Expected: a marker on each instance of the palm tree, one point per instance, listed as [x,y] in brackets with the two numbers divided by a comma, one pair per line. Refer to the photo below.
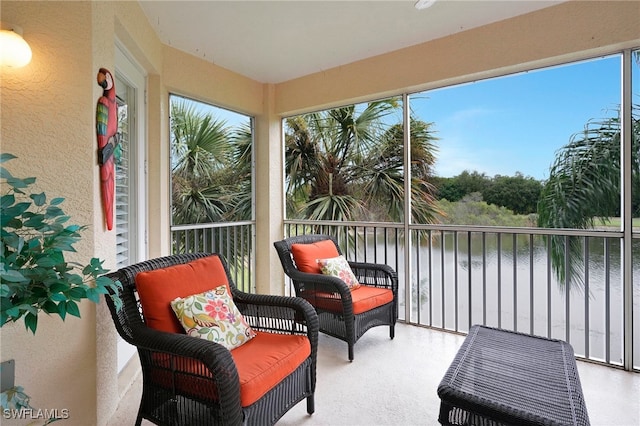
[211,180]
[211,167]
[238,198]
[383,173]
[584,184]
[199,149]
[346,164]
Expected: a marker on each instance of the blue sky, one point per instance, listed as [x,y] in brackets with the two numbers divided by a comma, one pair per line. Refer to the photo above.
[517,123]
[232,118]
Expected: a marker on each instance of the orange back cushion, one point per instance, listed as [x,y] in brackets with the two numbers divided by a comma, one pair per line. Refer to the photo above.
[159,287]
[306,255]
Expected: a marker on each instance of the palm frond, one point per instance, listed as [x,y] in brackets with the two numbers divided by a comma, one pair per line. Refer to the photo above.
[333,207]
[584,183]
[352,152]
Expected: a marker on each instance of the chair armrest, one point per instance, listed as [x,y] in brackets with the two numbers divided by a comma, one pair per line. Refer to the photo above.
[278,314]
[375,275]
[321,283]
[147,338]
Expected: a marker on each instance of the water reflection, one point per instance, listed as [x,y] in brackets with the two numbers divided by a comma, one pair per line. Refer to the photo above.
[509,281]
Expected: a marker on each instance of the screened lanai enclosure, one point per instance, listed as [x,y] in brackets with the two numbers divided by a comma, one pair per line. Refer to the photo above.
[512,202]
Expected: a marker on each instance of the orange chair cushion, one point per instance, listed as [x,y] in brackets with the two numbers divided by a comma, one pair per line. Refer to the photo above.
[306,255]
[262,363]
[364,299]
[159,287]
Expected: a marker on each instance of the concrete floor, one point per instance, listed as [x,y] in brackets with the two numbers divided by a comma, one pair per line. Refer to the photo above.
[394,382]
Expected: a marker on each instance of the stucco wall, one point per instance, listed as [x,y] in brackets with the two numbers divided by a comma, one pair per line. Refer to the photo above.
[47,120]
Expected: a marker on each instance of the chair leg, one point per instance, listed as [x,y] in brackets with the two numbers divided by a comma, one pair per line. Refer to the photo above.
[139,417]
[392,331]
[350,352]
[311,406]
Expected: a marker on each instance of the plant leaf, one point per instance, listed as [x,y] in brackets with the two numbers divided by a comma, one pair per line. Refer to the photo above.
[13,276]
[58,297]
[7,201]
[31,322]
[5,156]
[50,307]
[62,310]
[72,308]
[39,199]
[93,295]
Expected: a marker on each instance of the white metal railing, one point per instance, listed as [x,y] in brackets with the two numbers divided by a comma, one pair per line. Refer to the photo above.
[453,276]
[504,277]
[233,240]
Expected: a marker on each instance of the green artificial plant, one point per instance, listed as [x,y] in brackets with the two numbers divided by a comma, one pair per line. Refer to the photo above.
[34,275]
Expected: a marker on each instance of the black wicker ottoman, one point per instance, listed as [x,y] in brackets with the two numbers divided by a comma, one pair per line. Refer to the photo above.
[500,377]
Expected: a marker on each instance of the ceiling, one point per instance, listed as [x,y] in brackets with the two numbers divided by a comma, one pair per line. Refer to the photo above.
[275,41]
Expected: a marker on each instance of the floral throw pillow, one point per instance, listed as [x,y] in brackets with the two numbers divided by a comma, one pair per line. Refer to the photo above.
[212,315]
[339,267]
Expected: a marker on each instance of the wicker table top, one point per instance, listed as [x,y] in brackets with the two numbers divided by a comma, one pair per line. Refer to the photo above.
[503,377]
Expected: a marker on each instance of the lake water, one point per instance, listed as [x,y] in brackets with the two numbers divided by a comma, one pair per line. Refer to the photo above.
[518,289]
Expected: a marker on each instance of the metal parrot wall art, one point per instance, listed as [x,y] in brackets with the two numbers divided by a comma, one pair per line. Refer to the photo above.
[108,140]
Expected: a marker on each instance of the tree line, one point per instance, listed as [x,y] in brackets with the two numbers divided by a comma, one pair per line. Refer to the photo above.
[518,193]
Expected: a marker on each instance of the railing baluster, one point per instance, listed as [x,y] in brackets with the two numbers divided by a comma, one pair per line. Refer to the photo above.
[430,273]
[386,244]
[549,268]
[499,267]
[607,315]
[456,301]
[586,298]
[442,285]
[484,278]
[567,281]
[418,280]
[469,283]
[531,296]
[515,282]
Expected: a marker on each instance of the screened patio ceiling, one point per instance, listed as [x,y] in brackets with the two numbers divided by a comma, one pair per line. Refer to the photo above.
[279,41]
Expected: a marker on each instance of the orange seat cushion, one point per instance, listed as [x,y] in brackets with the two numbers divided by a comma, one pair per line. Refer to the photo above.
[306,256]
[159,287]
[364,299]
[262,363]
[267,359]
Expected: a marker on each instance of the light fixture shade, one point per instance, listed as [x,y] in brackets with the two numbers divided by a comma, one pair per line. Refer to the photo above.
[424,4]
[14,50]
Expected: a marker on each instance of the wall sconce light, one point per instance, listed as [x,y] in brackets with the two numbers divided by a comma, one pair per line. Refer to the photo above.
[14,50]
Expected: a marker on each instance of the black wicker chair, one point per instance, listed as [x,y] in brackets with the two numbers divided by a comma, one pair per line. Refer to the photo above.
[174,394]
[332,299]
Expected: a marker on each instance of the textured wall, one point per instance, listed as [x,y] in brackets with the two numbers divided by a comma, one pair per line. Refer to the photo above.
[47,120]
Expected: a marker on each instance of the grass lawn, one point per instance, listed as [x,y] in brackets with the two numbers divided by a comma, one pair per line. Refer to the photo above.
[615,221]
